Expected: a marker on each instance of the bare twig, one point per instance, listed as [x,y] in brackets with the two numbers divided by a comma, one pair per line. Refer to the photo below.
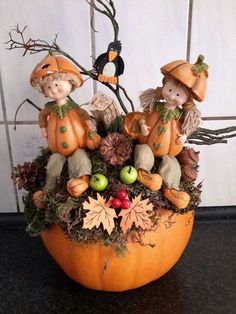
[110,12]
[34,46]
[23,102]
[205,136]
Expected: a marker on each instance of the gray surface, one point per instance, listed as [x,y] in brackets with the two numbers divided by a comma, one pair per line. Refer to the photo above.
[202,282]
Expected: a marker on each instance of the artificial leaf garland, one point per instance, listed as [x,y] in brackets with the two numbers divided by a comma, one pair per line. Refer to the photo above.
[137,214]
[99,212]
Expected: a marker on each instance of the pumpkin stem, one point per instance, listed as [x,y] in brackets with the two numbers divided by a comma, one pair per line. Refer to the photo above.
[200,60]
[200,66]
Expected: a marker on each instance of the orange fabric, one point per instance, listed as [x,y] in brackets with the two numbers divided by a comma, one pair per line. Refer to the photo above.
[97,266]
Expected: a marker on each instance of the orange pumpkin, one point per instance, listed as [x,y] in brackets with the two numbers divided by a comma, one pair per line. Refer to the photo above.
[55,64]
[93,140]
[77,186]
[162,137]
[97,266]
[193,76]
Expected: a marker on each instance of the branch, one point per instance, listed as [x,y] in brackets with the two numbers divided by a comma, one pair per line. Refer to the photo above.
[205,136]
[110,12]
[38,45]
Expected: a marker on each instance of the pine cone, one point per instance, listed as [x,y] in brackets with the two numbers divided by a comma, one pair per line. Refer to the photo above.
[188,157]
[115,148]
[28,175]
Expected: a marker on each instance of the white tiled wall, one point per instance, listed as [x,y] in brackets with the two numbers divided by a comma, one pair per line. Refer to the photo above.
[153,32]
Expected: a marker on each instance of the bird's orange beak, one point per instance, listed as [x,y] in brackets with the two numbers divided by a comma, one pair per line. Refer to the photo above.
[112,55]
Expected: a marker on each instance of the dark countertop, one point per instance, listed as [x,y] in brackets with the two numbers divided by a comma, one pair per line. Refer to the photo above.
[202,282]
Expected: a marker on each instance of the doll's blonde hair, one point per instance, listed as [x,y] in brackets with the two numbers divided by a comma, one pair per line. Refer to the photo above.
[39,83]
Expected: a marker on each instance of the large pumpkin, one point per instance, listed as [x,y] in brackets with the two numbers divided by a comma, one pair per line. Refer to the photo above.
[98,267]
[162,137]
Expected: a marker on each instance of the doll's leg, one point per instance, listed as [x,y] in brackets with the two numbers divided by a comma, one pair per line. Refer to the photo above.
[170,172]
[54,168]
[144,161]
[80,168]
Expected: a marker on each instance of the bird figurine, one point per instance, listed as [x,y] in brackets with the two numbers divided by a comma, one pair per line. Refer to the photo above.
[110,65]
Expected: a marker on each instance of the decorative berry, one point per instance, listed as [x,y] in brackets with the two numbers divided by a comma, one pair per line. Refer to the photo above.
[122,194]
[125,204]
[116,203]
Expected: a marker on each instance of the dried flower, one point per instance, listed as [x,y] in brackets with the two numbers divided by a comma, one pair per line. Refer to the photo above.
[28,175]
[189,157]
[115,148]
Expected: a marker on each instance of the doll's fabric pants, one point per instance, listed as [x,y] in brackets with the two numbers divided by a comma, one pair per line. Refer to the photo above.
[169,168]
[79,165]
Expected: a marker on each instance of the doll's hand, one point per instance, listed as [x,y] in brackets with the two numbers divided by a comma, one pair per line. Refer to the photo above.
[90,125]
[44,132]
[144,128]
[182,138]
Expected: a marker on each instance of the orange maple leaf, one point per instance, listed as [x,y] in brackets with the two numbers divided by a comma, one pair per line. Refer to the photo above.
[100,212]
[136,214]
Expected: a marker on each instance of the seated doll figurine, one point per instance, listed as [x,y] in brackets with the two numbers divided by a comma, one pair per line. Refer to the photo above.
[169,116]
[68,129]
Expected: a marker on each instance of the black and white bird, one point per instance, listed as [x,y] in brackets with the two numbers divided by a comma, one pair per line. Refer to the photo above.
[110,65]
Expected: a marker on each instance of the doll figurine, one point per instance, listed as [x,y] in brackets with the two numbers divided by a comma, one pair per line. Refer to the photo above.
[68,129]
[169,116]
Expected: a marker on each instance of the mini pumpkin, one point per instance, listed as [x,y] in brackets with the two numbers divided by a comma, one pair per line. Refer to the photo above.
[96,266]
[194,76]
[77,186]
[92,140]
[55,64]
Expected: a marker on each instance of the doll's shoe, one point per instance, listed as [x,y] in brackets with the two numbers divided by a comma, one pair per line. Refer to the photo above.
[39,199]
[178,198]
[77,186]
[152,181]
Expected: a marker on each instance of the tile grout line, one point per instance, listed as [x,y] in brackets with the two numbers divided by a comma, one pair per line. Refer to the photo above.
[93,41]
[189,29]
[4,112]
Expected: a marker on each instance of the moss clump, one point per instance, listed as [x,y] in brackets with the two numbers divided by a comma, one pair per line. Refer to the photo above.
[68,213]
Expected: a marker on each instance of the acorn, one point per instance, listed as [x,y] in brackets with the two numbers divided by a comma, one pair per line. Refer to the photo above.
[188,157]
[189,173]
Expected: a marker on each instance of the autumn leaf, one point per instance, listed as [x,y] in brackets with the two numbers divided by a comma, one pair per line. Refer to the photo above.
[100,212]
[137,214]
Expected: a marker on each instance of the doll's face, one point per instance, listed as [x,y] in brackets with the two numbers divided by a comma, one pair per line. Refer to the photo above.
[174,95]
[57,89]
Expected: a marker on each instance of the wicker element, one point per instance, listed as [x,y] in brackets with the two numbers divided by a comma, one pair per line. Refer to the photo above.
[104,109]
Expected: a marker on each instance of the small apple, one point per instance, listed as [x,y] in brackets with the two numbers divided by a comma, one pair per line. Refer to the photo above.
[128,175]
[125,204]
[116,203]
[121,194]
[98,182]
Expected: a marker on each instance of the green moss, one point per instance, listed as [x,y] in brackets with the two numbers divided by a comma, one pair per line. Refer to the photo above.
[67,212]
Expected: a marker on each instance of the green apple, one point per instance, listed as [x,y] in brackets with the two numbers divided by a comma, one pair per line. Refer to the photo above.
[128,175]
[98,182]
